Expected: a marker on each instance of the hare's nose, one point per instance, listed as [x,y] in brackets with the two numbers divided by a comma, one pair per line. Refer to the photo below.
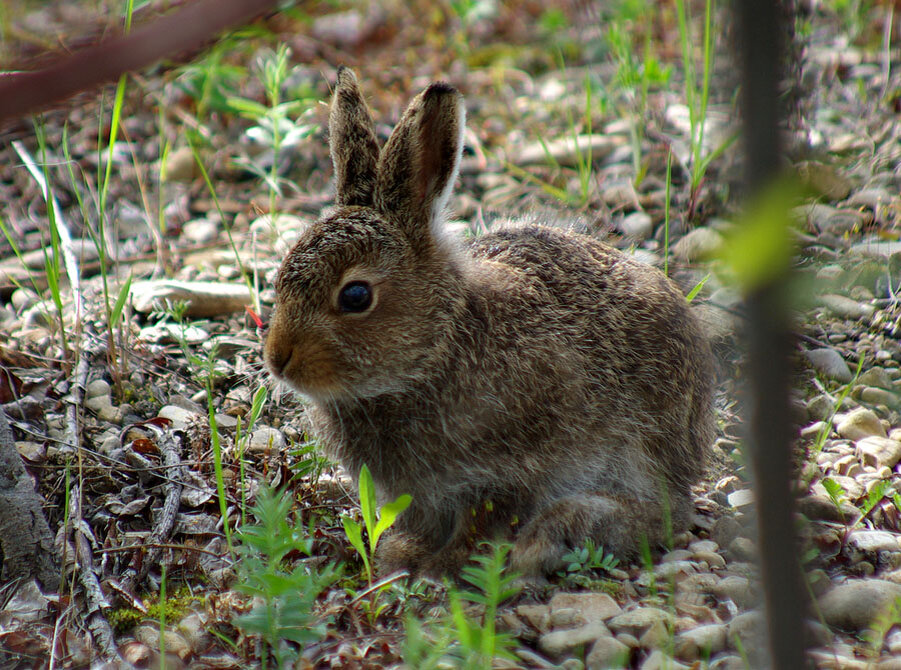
[277,356]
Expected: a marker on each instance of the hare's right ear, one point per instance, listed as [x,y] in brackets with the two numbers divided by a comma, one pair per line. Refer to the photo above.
[354,148]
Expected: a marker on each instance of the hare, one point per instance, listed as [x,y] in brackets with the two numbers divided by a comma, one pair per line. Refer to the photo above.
[532,384]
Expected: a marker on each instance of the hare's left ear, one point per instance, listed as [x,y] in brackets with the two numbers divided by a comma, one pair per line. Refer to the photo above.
[354,148]
[419,163]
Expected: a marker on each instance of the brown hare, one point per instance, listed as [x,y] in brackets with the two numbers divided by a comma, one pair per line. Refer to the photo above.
[532,384]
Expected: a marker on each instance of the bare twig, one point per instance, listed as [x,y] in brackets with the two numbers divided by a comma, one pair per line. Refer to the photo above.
[183,30]
[95,601]
[169,445]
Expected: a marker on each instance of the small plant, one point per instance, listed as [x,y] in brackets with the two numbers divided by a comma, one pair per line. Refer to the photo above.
[376,520]
[461,639]
[586,558]
[283,615]
[242,437]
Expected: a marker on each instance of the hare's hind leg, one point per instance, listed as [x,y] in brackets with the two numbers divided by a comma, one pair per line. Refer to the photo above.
[619,524]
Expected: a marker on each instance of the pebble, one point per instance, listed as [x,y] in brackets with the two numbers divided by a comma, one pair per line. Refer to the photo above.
[829,362]
[180,165]
[698,244]
[877,377]
[658,660]
[608,652]
[748,626]
[23,298]
[728,662]
[637,225]
[856,603]
[538,616]
[847,308]
[637,621]
[96,388]
[265,439]
[703,641]
[877,451]
[200,231]
[559,643]
[859,423]
[588,606]
[877,396]
[179,416]
[734,587]
[874,540]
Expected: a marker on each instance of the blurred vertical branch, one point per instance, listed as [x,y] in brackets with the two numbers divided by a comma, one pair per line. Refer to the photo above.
[184,29]
[770,343]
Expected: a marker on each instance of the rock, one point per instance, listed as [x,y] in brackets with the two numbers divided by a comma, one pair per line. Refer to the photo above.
[859,423]
[726,529]
[98,387]
[655,636]
[728,662]
[741,498]
[205,299]
[538,616]
[711,558]
[567,151]
[657,660]
[847,308]
[736,588]
[180,166]
[700,642]
[874,540]
[822,508]
[830,363]
[877,377]
[179,416]
[824,179]
[698,244]
[23,298]
[637,621]
[855,604]
[200,231]
[559,643]
[98,403]
[749,628]
[588,606]
[265,439]
[637,226]
[608,652]
[872,198]
[876,396]
[877,451]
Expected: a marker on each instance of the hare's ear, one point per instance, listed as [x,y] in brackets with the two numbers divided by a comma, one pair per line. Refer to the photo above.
[352,141]
[419,163]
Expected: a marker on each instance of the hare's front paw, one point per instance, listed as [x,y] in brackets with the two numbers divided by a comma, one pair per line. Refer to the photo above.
[541,545]
[400,550]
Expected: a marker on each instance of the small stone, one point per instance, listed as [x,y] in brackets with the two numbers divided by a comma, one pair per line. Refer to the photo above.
[830,363]
[200,231]
[608,652]
[822,508]
[847,308]
[31,451]
[703,641]
[878,451]
[855,604]
[559,643]
[657,660]
[637,225]
[741,498]
[876,396]
[859,423]
[637,621]
[23,298]
[97,404]
[824,179]
[179,416]
[97,387]
[698,244]
[180,165]
[711,558]
[736,588]
[674,569]
[538,616]
[877,377]
[748,626]
[655,636]
[589,606]
[728,662]
[874,540]
[265,439]
[726,529]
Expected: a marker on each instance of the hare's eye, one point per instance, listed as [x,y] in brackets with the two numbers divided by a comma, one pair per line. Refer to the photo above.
[355,297]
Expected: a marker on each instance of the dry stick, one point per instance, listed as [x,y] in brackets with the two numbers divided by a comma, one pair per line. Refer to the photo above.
[169,445]
[94,598]
[183,30]
[770,346]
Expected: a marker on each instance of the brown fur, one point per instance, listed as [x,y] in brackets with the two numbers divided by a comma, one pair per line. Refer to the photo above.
[538,383]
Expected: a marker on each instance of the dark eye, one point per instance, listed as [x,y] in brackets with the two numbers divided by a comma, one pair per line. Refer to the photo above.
[355,297]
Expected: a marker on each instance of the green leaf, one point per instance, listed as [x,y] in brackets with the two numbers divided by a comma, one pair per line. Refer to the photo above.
[387,515]
[256,407]
[120,303]
[697,288]
[834,489]
[368,503]
[355,536]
